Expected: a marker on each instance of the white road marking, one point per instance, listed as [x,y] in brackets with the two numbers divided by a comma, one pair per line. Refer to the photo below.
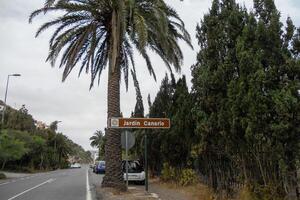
[21,179]
[48,181]
[88,190]
[154,195]
[5,183]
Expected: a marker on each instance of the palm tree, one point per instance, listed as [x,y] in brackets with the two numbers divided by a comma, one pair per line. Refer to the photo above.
[97,33]
[63,149]
[97,139]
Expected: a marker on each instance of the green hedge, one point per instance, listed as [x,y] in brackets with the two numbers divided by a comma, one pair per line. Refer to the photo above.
[183,177]
[2,176]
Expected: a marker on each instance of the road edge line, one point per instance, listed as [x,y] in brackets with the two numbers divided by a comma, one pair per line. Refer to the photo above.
[28,190]
[88,189]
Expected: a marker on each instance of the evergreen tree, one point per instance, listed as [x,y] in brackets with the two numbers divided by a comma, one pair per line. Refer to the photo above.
[139,106]
[216,66]
[245,85]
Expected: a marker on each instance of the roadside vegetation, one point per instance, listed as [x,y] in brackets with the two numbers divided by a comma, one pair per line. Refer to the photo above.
[28,148]
[2,176]
[98,141]
[238,129]
[93,35]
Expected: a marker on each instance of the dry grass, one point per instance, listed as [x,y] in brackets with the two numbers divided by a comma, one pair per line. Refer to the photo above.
[245,194]
[132,194]
[194,192]
[198,192]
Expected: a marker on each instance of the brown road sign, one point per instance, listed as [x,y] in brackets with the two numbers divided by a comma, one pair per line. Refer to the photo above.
[140,123]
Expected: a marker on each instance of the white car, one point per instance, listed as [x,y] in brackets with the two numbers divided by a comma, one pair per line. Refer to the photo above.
[75,165]
[136,172]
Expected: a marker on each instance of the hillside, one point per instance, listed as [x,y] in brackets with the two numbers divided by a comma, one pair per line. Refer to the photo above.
[28,144]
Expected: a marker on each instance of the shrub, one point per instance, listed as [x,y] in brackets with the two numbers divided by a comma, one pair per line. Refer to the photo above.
[168,173]
[187,177]
[256,192]
[2,176]
[183,177]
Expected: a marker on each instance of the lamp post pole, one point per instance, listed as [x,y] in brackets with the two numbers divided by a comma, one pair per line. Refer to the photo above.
[6,90]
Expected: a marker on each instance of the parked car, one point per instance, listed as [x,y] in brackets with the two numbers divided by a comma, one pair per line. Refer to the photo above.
[100,168]
[136,171]
[75,165]
[95,166]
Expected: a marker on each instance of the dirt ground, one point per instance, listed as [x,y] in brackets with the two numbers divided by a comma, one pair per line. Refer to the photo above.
[158,190]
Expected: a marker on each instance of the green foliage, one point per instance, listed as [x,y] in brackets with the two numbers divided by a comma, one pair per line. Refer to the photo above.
[168,173]
[2,176]
[97,33]
[245,86]
[172,101]
[139,106]
[188,177]
[18,119]
[26,148]
[83,37]
[240,123]
[10,149]
[98,140]
[183,177]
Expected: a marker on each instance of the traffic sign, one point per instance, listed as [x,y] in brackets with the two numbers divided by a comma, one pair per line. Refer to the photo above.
[140,123]
[130,139]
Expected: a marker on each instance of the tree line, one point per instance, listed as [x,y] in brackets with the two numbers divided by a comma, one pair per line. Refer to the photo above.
[240,123]
[26,147]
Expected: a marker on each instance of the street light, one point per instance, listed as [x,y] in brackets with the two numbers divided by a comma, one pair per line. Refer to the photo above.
[4,109]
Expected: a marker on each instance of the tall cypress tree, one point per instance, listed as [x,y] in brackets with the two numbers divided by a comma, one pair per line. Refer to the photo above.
[216,66]
[247,105]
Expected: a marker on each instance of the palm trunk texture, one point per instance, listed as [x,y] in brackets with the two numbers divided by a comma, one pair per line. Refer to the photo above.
[113,151]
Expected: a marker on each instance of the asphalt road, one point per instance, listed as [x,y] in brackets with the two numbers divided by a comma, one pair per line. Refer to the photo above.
[69,184]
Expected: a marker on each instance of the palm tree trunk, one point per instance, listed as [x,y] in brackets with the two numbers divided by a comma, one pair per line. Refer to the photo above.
[113,152]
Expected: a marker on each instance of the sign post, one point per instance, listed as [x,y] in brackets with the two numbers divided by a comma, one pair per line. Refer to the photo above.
[146,163]
[139,123]
[126,138]
[127,141]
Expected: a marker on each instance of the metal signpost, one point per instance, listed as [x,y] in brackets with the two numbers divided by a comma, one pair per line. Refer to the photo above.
[137,123]
[127,141]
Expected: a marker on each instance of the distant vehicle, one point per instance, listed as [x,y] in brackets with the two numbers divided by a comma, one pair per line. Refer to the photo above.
[75,165]
[100,167]
[136,171]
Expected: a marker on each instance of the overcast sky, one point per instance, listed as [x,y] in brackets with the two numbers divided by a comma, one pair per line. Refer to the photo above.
[81,111]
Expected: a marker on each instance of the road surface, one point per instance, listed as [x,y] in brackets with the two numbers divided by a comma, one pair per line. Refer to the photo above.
[69,184]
